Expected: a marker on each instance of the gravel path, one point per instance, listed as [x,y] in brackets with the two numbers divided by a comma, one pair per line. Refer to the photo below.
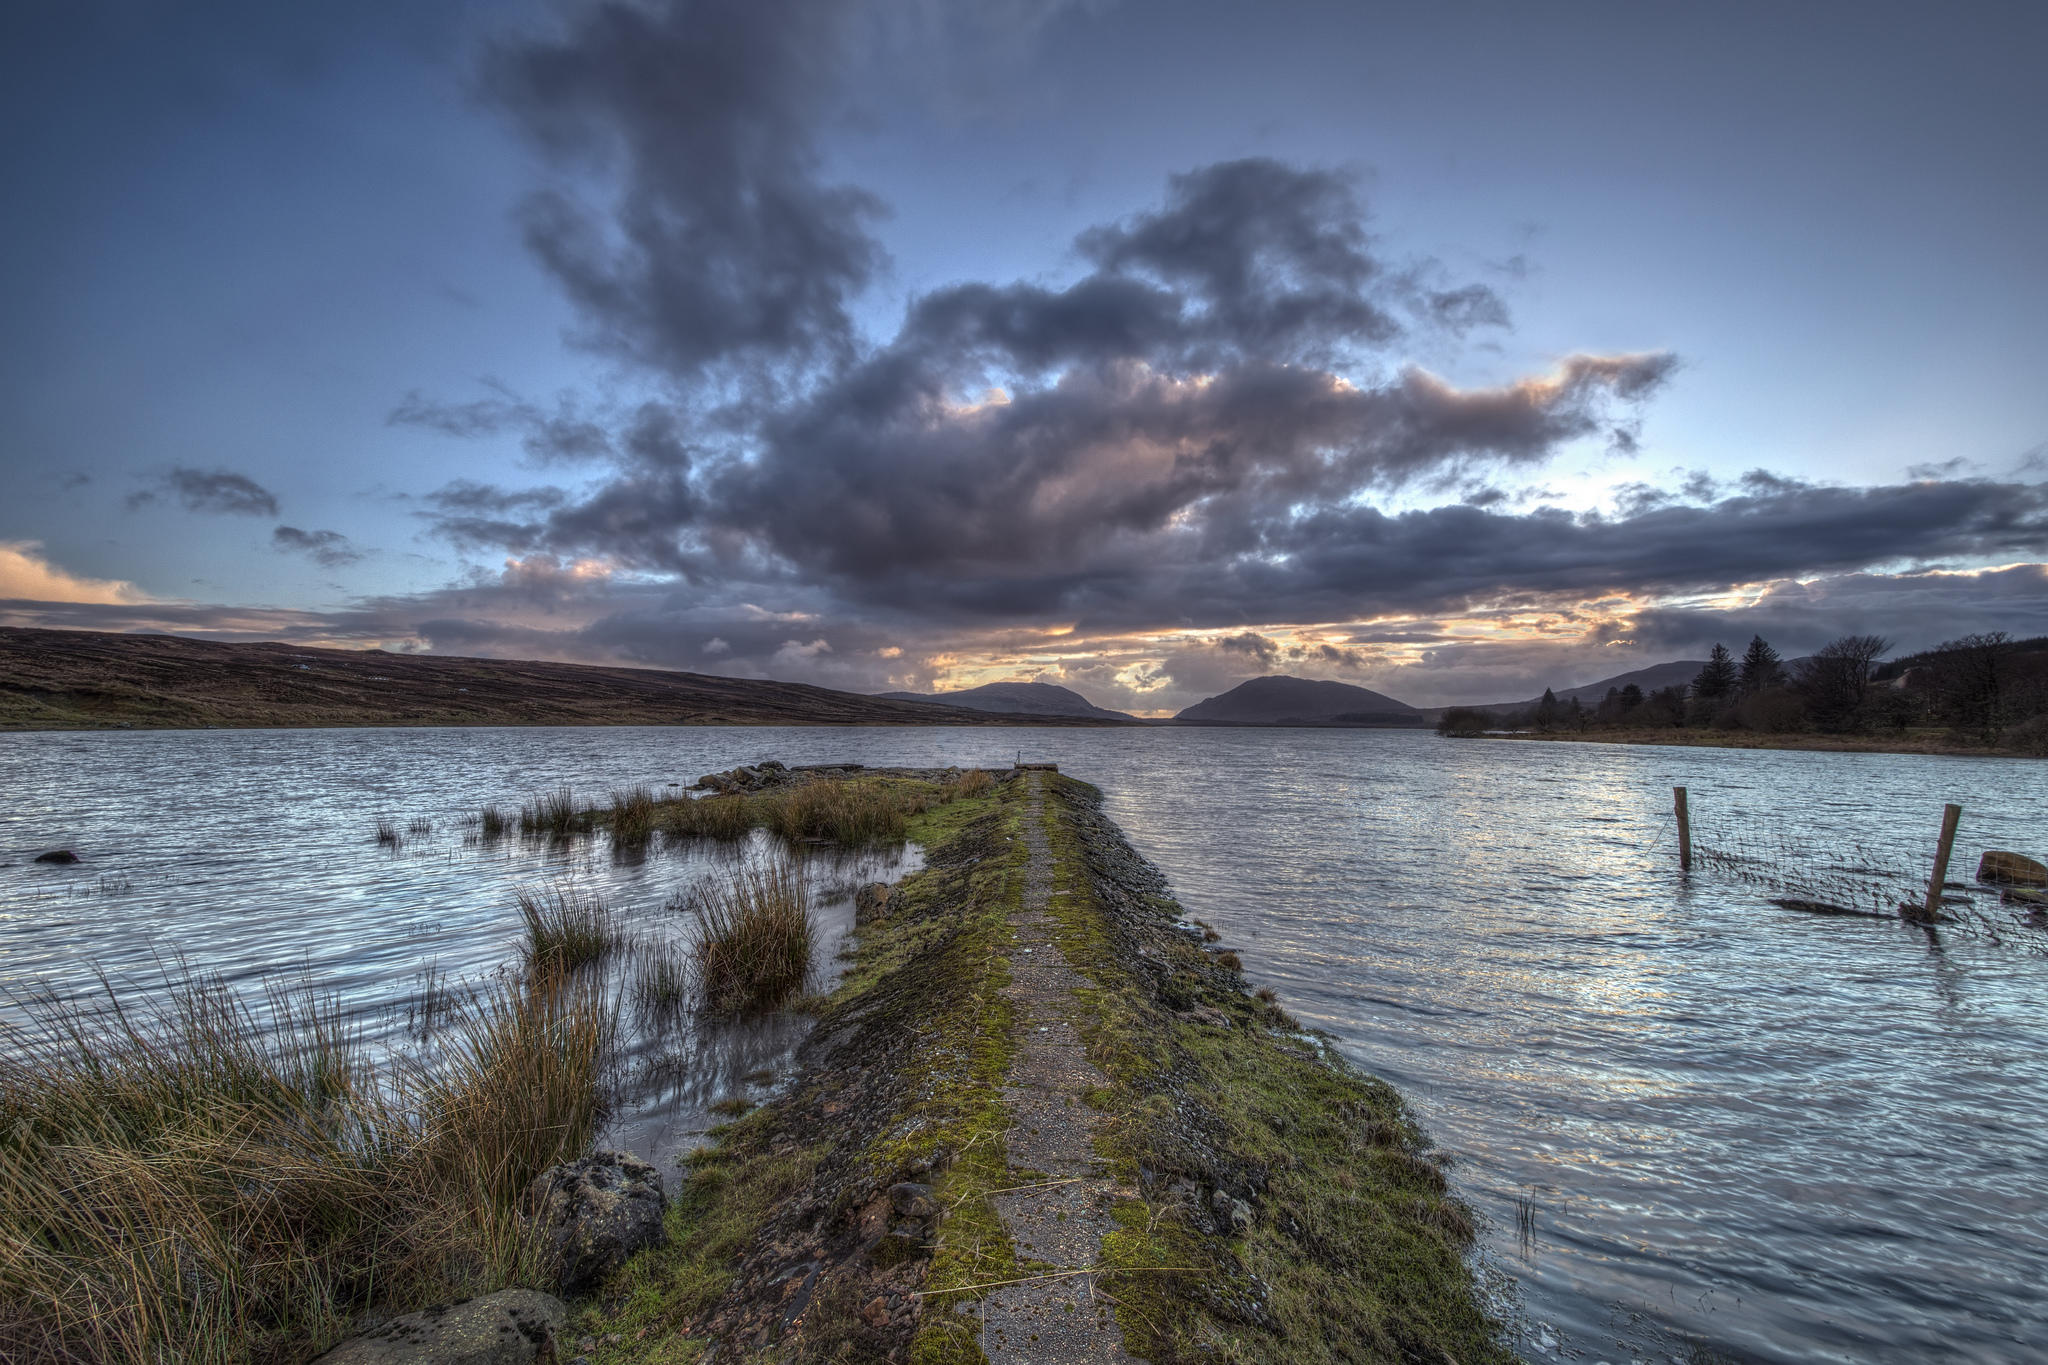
[1062,1220]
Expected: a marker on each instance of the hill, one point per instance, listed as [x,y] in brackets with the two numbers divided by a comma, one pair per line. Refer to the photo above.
[1676,673]
[1281,700]
[73,680]
[1030,699]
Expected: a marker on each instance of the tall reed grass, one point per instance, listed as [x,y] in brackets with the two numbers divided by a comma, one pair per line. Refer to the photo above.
[852,813]
[566,929]
[753,936]
[711,817]
[190,1180]
[554,815]
[632,817]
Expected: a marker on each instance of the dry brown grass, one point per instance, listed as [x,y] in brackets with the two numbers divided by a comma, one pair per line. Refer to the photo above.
[753,936]
[632,817]
[849,813]
[566,929]
[554,815]
[710,817]
[974,782]
[188,1181]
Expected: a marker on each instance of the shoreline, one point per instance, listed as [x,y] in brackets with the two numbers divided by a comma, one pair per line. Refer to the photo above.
[1675,738]
[1248,1191]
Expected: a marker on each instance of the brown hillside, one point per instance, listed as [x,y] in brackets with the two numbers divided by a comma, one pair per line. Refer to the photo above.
[68,680]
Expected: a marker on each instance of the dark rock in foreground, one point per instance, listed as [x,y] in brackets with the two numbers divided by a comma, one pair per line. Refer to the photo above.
[59,855]
[594,1213]
[511,1327]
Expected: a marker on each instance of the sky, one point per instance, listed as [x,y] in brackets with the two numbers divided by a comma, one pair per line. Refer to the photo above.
[1455,350]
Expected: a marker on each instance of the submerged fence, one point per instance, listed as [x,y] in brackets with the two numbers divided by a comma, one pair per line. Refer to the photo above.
[1852,877]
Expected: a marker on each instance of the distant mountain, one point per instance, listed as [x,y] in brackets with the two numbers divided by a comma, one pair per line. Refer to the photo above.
[1022,699]
[1280,700]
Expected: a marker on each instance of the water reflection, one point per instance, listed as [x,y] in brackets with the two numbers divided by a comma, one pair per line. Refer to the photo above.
[1787,1137]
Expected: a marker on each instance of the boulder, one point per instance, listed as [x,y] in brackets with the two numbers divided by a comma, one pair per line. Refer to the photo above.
[2011,869]
[870,902]
[58,855]
[511,1327]
[594,1213]
[913,1199]
[1233,1215]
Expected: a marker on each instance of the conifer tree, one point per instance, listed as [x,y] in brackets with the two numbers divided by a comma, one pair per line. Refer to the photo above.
[1761,668]
[1717,679]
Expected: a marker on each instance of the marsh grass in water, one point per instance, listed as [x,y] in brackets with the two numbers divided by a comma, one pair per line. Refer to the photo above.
[752,936]
[851,813]
[388,835]
[555,815]
[632,817]
[566,929]
[661,982]
[712,817]
[199,1179]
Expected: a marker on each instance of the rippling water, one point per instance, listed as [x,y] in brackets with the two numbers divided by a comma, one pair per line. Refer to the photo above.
[1692,1119]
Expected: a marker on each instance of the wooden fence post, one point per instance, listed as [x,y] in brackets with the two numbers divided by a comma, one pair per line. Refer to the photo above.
[1684,830]
[1950,816]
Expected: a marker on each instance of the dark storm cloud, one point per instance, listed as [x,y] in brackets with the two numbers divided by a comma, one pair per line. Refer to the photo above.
[1915,610]
[1191,431]
[722,243]
[209,490]
[329,549]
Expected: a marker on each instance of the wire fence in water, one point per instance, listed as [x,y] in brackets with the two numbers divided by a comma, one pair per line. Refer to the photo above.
[1852,876]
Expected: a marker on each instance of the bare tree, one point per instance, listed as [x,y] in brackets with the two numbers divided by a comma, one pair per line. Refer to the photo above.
[1836,681]
[1970,682]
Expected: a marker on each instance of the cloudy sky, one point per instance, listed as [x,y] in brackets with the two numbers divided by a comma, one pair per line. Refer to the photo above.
[1451,349]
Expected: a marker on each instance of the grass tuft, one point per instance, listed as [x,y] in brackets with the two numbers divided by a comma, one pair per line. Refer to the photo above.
[753,936]
[388,835]
[565,930]
[661,982]
[849,813]
[553,815]
[710,817]
[198,1180]
[492,822]
[632,817]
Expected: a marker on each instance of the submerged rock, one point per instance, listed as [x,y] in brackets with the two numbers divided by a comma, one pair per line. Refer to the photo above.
[59,855]
[2011,869]
[594,1213]
[511,1327]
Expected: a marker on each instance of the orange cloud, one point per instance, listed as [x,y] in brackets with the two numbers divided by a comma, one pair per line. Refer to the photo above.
[26,574]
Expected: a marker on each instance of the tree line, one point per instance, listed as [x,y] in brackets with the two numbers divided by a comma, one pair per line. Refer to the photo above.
[1986,689]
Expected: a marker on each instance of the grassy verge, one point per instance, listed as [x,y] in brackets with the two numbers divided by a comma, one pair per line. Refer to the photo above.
[1302,1190]
[785,1239]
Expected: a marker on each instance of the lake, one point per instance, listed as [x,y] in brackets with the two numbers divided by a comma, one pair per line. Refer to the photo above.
[1695,1123]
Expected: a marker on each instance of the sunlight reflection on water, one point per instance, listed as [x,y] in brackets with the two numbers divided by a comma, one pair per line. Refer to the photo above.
[1792,1138]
